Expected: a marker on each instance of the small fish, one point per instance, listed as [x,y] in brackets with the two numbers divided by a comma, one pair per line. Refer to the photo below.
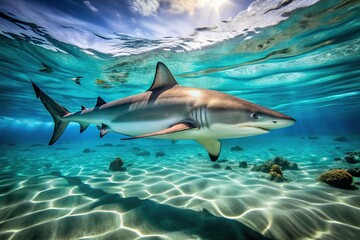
[77,80]
[46,69]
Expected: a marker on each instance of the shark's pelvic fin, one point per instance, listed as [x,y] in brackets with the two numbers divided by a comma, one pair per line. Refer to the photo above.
[83,126]
[99,102]
[104,130]
[183,126]
[213,146]
[163,78]
[56,111]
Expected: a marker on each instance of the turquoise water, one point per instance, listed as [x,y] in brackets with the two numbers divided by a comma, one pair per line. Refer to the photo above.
[301,58]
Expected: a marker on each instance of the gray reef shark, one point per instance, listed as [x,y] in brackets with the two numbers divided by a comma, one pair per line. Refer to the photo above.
[168,110]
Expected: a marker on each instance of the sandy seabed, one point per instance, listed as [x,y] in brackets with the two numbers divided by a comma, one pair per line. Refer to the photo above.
[59,192]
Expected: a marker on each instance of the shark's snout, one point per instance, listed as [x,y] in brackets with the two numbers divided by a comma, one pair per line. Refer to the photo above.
[281,123]
[265,124]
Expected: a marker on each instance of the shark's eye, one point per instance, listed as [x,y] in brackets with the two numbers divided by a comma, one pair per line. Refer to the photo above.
[254,116]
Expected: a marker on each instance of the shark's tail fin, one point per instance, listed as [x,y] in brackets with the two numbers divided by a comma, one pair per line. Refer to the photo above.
[56,111]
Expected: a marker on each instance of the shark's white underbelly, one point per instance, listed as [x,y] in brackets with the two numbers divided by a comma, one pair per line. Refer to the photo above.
[142,127]
[216,131]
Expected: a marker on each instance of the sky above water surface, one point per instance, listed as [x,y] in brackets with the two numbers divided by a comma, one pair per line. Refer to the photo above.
[152,19]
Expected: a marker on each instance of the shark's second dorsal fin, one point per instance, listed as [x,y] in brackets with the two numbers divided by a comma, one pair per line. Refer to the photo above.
[99,102]
[163,78]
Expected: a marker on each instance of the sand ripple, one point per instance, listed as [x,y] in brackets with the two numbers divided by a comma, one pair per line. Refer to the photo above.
[184,199]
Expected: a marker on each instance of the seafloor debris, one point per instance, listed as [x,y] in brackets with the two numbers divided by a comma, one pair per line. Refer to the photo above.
[86,150]
[341,139]
[143,153]
[336,178]
[283,163]
[117,165]
[236,148]
[160,154]
[228,168]
[350,157]
[313,137]
[216,165]
[223,161]
[243,164]
[355,172]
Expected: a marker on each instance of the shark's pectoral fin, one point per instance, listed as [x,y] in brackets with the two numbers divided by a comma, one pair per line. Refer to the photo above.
[183,126]
[213,146]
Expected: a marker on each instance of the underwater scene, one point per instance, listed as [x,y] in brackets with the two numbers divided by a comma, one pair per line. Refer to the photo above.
[164,119]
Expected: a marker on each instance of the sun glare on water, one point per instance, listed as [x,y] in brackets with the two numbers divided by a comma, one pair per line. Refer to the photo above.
[214,10]
[217,3]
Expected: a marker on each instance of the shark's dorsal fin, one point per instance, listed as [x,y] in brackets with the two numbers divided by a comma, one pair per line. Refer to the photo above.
[163,78]
[83,108]
[99,102]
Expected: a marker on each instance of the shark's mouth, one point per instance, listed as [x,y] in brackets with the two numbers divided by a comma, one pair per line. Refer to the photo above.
[258,128]
[264,129]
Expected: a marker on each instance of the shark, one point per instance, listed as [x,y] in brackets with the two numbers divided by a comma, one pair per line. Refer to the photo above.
[170,111]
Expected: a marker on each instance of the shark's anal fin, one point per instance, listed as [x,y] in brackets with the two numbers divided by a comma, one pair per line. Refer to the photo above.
[83,126]
[213,147]
[183,126]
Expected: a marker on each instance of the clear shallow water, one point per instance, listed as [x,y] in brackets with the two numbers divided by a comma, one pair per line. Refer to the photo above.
[301,59]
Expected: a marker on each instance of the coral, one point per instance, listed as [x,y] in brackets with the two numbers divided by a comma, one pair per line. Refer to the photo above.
[336,178]
[216,165]
[237,148]
[276,174]
[243,164]
[350,157]
[341,139]
[160,154]
[355,172]
[117,165]
[143,153]
[283,163]
[276,168]
[86,150]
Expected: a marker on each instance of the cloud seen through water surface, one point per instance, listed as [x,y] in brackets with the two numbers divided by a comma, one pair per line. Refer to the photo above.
[79,22]
[91,7]
[151,7]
